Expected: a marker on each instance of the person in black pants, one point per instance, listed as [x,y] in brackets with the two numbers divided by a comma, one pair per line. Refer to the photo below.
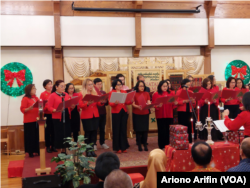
[75,116]
[102,114]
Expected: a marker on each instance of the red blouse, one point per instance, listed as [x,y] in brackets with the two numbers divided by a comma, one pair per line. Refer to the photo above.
[215,88]
[31,115]
[53,102]
[116,108]
[45,96]
[88,111]
[231,102]
[166,111]
[182,106]
[243,119]
[136,99]
[241,102]
[202,101]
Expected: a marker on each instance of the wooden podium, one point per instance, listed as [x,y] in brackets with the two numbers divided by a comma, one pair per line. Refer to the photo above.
[41,120]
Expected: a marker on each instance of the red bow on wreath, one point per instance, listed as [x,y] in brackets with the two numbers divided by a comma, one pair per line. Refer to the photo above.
[10,76]
[242,71]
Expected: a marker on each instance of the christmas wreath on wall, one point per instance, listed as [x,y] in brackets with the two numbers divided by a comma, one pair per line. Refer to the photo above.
[15,71]
[238,69]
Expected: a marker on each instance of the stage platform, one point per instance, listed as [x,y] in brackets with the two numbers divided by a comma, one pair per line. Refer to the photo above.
[131,162]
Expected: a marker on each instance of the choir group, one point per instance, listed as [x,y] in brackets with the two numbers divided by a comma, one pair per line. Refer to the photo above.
[60,124]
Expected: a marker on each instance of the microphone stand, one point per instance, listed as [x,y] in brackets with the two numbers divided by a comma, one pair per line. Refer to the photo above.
[64,144]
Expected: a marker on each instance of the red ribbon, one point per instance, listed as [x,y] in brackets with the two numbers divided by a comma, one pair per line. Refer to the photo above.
[10,76]
[242,71]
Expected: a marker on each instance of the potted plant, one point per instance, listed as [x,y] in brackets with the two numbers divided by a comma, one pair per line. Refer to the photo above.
[75,167]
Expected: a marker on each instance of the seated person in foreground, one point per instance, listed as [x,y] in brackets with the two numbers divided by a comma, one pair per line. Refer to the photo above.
[118,179]
[105,163]
[202,155]
[157,162]
[244,165]
[243,119]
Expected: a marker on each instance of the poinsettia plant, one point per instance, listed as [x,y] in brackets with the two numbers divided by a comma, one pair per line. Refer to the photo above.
[75,167]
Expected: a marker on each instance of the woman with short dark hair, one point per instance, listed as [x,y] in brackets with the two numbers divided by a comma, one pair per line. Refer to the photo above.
[240,84]
[140,116]
[213,82]
[184,109]
[119,120]
[231,104]
[31,131]
[243,119]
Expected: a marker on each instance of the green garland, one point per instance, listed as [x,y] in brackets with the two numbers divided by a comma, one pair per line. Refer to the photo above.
[7,78]
[243,70]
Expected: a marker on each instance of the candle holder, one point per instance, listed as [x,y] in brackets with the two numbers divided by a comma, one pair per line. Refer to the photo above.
[209,128]
[225,138]
[192,138]
[198,126]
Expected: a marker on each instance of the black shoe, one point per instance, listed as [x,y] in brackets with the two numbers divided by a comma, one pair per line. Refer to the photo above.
[93,154]
[48,150]
[54,149]
[145,148]
[139,148]
[88,154]
[31,155]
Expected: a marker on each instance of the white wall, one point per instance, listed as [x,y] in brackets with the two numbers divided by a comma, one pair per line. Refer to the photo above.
[222,55]
[174,31]
[97,31]
[39,61]
[232,31]
[19,30]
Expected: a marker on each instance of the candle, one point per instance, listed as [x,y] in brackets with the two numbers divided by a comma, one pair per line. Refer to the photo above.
[208,109]
[198,108]
[192,125]
[219,111]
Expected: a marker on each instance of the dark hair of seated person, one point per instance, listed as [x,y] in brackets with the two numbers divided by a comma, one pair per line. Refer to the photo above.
[201,153]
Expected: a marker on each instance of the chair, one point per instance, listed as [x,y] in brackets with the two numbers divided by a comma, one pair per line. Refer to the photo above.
[6,140]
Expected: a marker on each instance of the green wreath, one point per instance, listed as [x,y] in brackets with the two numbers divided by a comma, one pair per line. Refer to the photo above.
[238,69]
[15,71]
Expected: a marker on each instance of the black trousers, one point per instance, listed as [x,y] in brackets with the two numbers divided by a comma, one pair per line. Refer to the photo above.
[49,131]
[75,135]
[101,125]
[233,109]
[31,137]
[91,137]
[163,131]
[141,137]
[119,127]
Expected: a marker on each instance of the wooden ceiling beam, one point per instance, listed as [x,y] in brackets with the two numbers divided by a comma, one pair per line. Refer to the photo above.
[137,48]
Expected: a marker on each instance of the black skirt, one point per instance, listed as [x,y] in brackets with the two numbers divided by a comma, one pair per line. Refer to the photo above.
[61,131]
[31,137]
[141,122]
[75,120]
[90,124]
[214,114]
[233,109]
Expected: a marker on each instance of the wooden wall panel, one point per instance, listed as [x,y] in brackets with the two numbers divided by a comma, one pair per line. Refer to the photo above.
[232,10]
[16,137]
[58,73]
[27,7]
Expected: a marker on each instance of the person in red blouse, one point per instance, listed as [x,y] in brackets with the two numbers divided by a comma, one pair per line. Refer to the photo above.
[61,128]
[49,129]
[89,115]
[203,104]
[163,114]
[141,117]
[213,81]
[184,109]
[231,104]
[75,116]
[119,120]
[243,119]
[248,86]
[31,131]
[170,87]
[240,84]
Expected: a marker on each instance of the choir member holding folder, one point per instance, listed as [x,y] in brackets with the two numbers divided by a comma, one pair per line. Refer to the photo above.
[140,115]
[119,119]
[89,114]
[61,130]
[163,113]
[184,109]
[31,131]
[75,116]
[240,84]
[232,104]
[49,129]
[203,104]
[213,81]
[243,119]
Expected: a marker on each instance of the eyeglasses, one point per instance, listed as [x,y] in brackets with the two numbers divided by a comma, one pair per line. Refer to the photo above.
[90,85]
[141,86]
[119,84]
